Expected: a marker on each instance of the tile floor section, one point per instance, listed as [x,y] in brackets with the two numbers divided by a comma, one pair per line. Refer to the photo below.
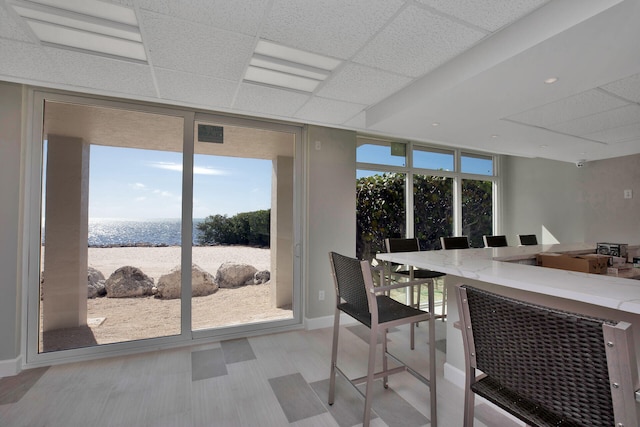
[272,380]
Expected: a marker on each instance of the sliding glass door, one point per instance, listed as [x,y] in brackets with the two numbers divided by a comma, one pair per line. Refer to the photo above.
[154,227]
[243,194]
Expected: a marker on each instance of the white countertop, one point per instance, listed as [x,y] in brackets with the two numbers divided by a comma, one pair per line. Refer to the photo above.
[488,265]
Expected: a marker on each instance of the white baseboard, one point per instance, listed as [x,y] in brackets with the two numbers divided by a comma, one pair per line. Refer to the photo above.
[11,367]
[327,322]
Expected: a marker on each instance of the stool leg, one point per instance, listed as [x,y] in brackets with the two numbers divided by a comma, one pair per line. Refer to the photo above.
[334,357]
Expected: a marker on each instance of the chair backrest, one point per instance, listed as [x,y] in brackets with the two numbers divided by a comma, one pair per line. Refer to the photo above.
[494,241]
[401,245]
[528,239]
[349,281]
[558,360]
[461,242]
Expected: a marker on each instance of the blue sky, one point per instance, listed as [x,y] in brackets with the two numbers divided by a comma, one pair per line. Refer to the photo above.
[135,184]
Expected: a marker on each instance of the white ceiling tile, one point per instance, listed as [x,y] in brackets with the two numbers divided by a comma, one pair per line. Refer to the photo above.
[328,111]
[195,89]
[570,108]
[103,73]
[26,61]
[269,100]
[609,119]
[627,88]
[242,16]
[10,28]
[416,42]
[329,27]
[195,48]
[621,134]
[488,14]
[361,84]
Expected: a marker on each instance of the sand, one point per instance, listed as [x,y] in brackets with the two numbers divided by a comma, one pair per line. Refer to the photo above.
[124,319]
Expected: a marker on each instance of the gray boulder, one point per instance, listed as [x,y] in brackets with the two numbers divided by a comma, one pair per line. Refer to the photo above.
[127,282]
[261,277]
[95,283]
[202,283]
[232,275]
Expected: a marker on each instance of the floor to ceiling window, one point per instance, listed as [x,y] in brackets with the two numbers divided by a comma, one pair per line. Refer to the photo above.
[406,189]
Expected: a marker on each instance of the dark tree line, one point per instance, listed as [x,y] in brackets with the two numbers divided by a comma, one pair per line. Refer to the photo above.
[248,228]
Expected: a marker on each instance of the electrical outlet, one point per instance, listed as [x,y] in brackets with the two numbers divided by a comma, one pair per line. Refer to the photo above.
[628,194]
[318,145]
[321,295]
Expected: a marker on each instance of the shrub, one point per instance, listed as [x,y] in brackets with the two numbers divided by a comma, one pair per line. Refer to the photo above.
[248,228]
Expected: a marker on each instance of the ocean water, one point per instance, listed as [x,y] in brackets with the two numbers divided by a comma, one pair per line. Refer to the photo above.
[126,232]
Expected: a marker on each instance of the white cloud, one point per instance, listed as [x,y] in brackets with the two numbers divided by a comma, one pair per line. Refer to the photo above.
[197,170]
[138,186]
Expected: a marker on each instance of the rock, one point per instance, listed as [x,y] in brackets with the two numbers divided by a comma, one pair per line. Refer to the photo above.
[95,283]
[128,282]
[202,283]
[261,277]
[232,275]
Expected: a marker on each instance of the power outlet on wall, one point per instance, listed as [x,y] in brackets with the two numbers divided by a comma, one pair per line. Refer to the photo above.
[628,194]
[321,295]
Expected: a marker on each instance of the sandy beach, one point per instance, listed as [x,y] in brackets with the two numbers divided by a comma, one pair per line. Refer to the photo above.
[124,319]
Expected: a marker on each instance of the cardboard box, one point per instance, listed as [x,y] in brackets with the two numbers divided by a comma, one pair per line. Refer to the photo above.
[588,263]
[613,249]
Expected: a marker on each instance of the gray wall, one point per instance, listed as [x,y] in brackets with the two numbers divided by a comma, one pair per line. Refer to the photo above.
[10,229]
[331,207]
[541,197]
[608,215]
[561,202]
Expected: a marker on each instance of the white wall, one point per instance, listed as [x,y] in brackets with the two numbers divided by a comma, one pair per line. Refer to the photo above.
[559,201]
[542,197]
[331,210]
[10,224]
[609,217]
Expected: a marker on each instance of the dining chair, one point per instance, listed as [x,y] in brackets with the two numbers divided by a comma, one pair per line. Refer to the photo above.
[408,272]
[527,239]
[358,297]
[460,242]
[545,366]
[494,241]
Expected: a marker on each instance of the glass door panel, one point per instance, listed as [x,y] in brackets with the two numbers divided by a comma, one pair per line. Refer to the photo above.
[111,215]
[243,265]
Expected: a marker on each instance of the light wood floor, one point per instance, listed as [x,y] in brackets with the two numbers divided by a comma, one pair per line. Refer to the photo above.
[271,380]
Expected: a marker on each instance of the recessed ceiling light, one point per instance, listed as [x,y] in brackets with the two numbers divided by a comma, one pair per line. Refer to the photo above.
[544,146]
[494,136]
[551,80]
[276,65]
[89,25]
[434,124]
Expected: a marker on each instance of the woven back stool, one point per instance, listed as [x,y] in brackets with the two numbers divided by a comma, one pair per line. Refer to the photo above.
[544,366]
[358,297]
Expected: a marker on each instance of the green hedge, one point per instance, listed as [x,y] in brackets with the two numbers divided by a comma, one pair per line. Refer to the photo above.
[248,228]
[380,211]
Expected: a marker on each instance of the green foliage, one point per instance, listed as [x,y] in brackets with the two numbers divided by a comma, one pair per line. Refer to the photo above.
[476,210]
[248,228]
[381,211]
[380,204]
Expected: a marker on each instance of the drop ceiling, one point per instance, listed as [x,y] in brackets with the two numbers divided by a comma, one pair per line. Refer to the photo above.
[392,68]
